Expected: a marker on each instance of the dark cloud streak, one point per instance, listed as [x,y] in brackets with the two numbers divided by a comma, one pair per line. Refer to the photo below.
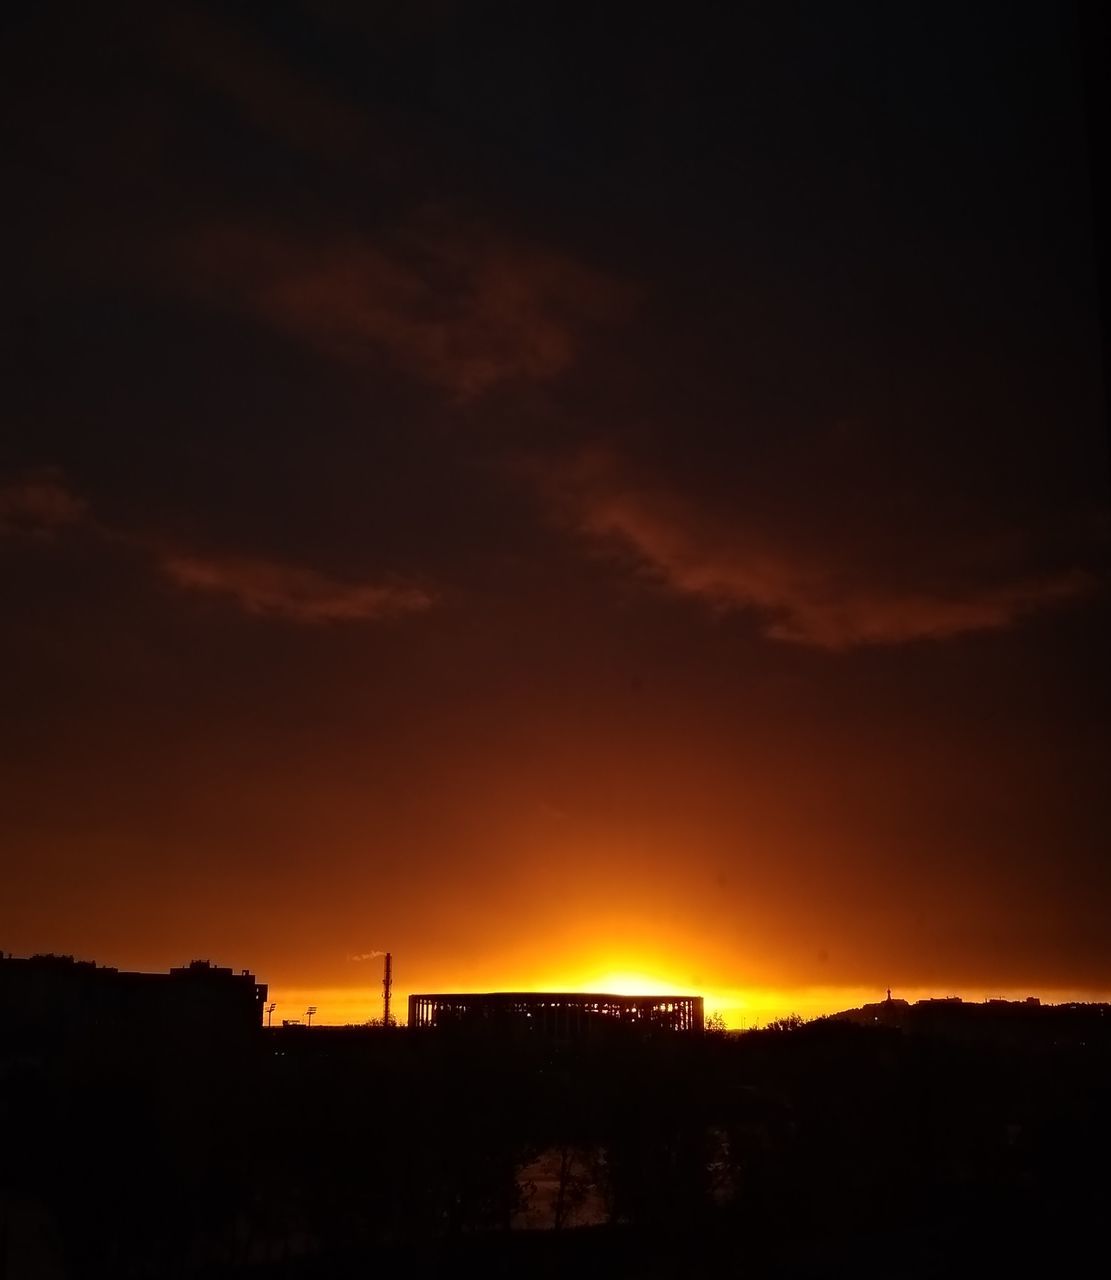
[41,503]
[461,308]
[291,592]
[811,592]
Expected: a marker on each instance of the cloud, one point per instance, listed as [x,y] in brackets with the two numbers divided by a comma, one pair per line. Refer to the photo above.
[269,92]
[801,594]
[463,310]
[39,503]
[269,588]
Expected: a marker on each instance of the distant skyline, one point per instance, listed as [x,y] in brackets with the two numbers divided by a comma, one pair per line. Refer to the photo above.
[561,495]
[741,1009]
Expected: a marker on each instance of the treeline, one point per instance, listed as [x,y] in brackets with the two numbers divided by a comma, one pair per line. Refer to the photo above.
[311,1153]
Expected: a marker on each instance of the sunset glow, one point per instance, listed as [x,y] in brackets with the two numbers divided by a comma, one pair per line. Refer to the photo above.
[743,1010]
[555,714]
[645,533]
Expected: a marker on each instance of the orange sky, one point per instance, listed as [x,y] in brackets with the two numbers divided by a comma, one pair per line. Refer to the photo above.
[650,522]
[741,1009]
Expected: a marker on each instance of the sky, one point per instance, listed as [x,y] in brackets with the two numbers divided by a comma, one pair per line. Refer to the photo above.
[576,497]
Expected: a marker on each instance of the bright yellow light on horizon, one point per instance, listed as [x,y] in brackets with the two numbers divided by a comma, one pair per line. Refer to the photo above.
[625,983]
[751,1007]
[630,974]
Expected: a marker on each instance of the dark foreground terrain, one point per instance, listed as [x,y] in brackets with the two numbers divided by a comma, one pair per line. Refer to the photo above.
[828,1149]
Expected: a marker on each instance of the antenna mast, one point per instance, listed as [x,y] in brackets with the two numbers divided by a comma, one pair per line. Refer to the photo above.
[387,985]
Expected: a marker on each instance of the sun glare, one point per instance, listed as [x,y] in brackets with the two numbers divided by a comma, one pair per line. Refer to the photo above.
[632,984]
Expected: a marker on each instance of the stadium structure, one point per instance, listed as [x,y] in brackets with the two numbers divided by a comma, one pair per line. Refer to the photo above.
[559,1014]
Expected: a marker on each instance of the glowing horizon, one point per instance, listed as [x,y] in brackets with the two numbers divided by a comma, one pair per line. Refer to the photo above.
[742,1009]
[544,580]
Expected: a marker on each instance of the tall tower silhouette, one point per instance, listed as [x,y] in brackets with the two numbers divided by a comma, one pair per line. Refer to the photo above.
[387,985]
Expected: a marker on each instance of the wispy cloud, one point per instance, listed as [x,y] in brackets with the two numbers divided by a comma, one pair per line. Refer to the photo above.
[809,595]
[39,503]
[273,95]
[442,295]
[463,309]
[270,588]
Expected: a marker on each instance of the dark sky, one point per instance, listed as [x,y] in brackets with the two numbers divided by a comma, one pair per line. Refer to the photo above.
[555,490]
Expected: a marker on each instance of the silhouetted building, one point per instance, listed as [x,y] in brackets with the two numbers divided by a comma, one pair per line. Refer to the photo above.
[556,1014]
[1002,1021]
[887,1013]
[58,1003]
